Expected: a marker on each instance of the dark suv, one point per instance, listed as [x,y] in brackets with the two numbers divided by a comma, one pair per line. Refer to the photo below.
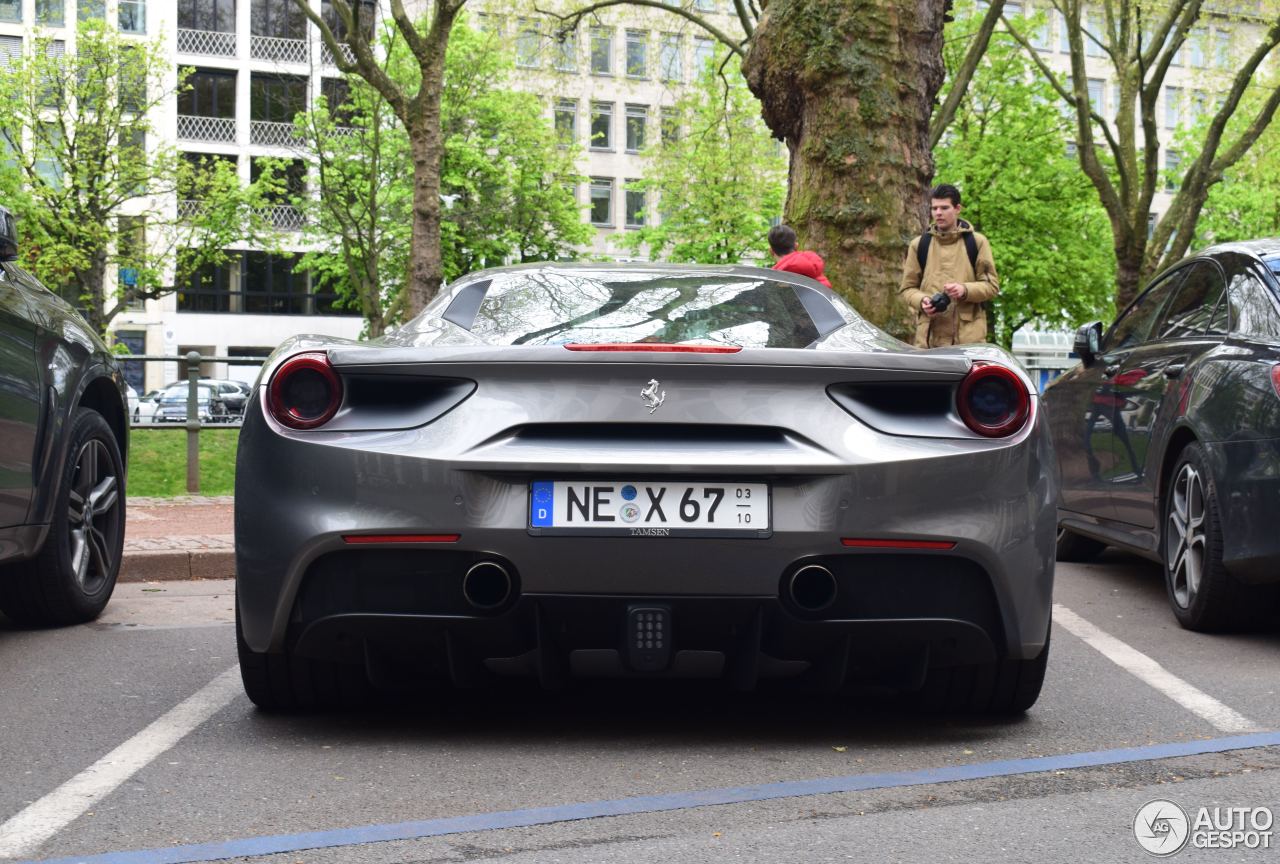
[63,435]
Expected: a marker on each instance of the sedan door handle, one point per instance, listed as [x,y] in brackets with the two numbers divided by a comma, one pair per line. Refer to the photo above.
[1111,370]
[1173,370]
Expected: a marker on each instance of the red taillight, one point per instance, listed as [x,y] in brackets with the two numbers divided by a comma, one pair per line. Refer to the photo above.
[656,346]
[993,401]
[1275,378]
[304,392]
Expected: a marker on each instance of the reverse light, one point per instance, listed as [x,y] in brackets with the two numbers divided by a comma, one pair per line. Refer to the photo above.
[661,347]
[993,401]
[304,392]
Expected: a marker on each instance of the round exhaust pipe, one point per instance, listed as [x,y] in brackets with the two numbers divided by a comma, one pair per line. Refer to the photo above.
[812,588]
[486,585]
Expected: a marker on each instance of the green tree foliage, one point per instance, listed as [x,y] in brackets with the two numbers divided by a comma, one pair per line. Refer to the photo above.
[86,179]
[1006,151]
[1245,204]
[506,182]
[717,176]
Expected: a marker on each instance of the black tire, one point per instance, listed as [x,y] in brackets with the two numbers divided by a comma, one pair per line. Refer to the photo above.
[70,579]
[1202,594]
[1076,547]
[1000,687]
[285,682]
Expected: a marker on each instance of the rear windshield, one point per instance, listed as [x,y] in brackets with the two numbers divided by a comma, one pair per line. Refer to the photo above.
[542,307]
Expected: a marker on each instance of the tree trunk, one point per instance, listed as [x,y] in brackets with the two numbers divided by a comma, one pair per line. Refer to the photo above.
[850,87]
[426,266]
[93,293]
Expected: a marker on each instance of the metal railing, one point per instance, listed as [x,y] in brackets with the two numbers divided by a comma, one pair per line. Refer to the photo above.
[210,43]
[193,423]
[278,49]
[283,217]
[326,56]
[272,133]
[196,128]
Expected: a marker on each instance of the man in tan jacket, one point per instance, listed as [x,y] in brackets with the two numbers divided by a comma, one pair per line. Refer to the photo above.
[954,264]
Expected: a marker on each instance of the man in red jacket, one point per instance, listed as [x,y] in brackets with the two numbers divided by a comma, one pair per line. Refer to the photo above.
[782,242]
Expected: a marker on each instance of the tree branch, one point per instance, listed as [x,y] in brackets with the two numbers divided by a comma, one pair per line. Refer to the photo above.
[960,84]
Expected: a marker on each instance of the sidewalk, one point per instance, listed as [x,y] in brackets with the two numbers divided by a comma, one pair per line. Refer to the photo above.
[187,537]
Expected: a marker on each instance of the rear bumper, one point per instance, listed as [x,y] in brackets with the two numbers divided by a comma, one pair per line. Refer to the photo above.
[1247,475]
[988,595]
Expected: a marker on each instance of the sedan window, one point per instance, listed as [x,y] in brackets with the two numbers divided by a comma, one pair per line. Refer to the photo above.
[1253,309]
[1132,327]
[1191,309]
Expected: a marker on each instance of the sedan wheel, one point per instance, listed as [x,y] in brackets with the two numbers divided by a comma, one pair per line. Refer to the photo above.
[1203,595]
[72,577]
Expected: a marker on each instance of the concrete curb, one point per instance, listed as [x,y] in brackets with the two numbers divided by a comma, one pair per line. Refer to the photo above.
[176,564]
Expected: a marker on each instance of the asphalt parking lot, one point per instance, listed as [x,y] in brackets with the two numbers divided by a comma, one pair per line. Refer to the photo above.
[130,741]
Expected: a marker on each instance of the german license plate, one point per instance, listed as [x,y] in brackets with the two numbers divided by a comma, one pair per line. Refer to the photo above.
[644,509]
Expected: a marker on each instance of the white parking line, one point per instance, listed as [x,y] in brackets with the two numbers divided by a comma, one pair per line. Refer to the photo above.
[1143,667]
[24,833]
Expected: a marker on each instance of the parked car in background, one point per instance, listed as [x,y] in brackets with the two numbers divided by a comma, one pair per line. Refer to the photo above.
[144,412]
[1168,435]
[648,471]
[172,404]
[234,395]
[63,439]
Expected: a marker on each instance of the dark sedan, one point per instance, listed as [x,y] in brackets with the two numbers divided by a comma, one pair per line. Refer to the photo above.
[1168,435]
[63,433]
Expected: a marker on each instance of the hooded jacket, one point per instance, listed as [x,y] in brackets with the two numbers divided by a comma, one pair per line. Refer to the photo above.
[804,263]
[965,321]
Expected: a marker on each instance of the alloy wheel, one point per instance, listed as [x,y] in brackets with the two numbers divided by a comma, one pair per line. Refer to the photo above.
[93,515]
[1186,539]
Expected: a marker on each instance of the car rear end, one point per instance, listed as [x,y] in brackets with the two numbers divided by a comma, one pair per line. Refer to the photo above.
[471,513]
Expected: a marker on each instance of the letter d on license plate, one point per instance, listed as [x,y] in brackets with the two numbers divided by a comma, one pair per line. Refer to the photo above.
[630,508]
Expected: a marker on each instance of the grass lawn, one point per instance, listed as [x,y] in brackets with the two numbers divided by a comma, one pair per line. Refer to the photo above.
[158,462]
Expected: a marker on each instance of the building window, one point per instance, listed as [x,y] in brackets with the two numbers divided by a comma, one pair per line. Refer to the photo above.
[528,44]
[1072,151]
[637,117]
[1064,35]
[704,50]
[271,286]
[602,201]
[276,98]
[132,154]
[209,94]
[206,289]
[132,16]
[1196,45]
[11,10]
[279,18]
[10,50]
[1097,101]
[1042,35]
[292,179]
[601,125]
[670,61]
[1221,49]
[1172,162]
[91,10]
[1172,107]
[566,118]
[601,51]
[1152,219]
[634,205]
[337,99]
[704,5]
[637,53]
[566,53]
[1093,36]
[51,13]
[670,125]
[214,16]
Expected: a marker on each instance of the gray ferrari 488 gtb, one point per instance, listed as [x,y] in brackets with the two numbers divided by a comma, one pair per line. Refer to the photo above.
[562,472]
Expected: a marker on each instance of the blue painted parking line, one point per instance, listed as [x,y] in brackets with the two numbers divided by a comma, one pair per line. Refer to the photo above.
[285,843]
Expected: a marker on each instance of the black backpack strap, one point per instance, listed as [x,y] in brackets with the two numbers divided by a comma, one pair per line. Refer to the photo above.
[970,246]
